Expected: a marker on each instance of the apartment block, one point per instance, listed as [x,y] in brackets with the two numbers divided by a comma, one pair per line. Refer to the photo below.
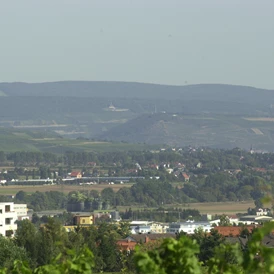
[8,218]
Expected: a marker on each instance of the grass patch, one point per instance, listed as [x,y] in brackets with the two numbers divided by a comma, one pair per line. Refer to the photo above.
[23,140]
[204,208]
[11,190]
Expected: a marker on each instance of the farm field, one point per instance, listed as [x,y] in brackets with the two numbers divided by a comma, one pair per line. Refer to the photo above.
[221,207]
[213,130]
[34,140]
[11,190]
[209,208]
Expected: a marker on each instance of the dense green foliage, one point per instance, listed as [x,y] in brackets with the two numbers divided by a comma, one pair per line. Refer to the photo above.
[184,256]
[94,250]
[39,245]
[215,176]
[42,200]
[9,252]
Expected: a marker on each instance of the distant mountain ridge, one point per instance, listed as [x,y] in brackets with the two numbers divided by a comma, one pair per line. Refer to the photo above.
[207,114]
[218,92]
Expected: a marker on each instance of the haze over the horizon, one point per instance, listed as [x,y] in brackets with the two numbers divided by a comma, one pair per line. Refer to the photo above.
[166,42]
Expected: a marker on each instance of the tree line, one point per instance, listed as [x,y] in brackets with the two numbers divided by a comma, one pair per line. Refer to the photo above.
[212,159]
[218,187]
[50,249]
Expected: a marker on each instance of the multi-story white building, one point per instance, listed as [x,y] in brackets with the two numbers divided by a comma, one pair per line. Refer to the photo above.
[8,217]
[188,227]
[22,211]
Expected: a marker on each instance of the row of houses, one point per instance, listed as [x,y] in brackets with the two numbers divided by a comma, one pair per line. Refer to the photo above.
[231,233]
[189,227]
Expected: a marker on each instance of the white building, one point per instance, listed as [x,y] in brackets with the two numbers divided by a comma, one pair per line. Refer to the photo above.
[188,227]
[157,228]
[254,219]
[135,224]
[22,211]
[142,229]
[263,212]
[8,217]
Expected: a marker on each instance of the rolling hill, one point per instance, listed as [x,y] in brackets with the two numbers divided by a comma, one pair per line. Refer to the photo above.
[12,140]
[217,131]
[207,92]
[207,114]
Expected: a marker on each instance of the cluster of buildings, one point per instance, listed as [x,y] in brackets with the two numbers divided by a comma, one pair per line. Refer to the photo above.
[144,232]
[10,213]
[86,219]
[189,227]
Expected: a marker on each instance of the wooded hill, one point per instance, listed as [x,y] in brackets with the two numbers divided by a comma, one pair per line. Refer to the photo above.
[81,109]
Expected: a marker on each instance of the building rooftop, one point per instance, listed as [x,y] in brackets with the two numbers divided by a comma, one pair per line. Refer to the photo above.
[152,236]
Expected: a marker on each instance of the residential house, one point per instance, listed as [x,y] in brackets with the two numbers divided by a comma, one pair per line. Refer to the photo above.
[185,177]
[83,219]
[154,166]
[233,231]
[76,174]
[130,242]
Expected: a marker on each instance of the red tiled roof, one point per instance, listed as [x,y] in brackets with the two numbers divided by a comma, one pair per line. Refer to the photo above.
[75,173]
[232,230]
[185,176]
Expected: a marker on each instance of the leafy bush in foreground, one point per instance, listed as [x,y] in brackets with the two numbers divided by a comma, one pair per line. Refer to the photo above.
[172,257]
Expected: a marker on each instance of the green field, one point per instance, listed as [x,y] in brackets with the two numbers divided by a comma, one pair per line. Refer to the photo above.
[218,208]
[12,140]
[142,133]
[12,190]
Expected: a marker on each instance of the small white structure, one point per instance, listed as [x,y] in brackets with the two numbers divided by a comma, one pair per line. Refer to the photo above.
[157,228]
[8,217]
[136,227]
[188,227]
[254,219]
[143,229]
[262,212]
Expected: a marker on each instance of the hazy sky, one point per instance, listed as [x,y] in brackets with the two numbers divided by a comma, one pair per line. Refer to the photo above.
[156,41]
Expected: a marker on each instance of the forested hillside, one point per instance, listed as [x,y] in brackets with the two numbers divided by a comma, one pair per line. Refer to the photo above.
[223,116]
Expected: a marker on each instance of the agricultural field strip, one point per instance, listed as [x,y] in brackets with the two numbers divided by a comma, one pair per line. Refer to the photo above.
[11,190]
[210,208]
[257,131]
